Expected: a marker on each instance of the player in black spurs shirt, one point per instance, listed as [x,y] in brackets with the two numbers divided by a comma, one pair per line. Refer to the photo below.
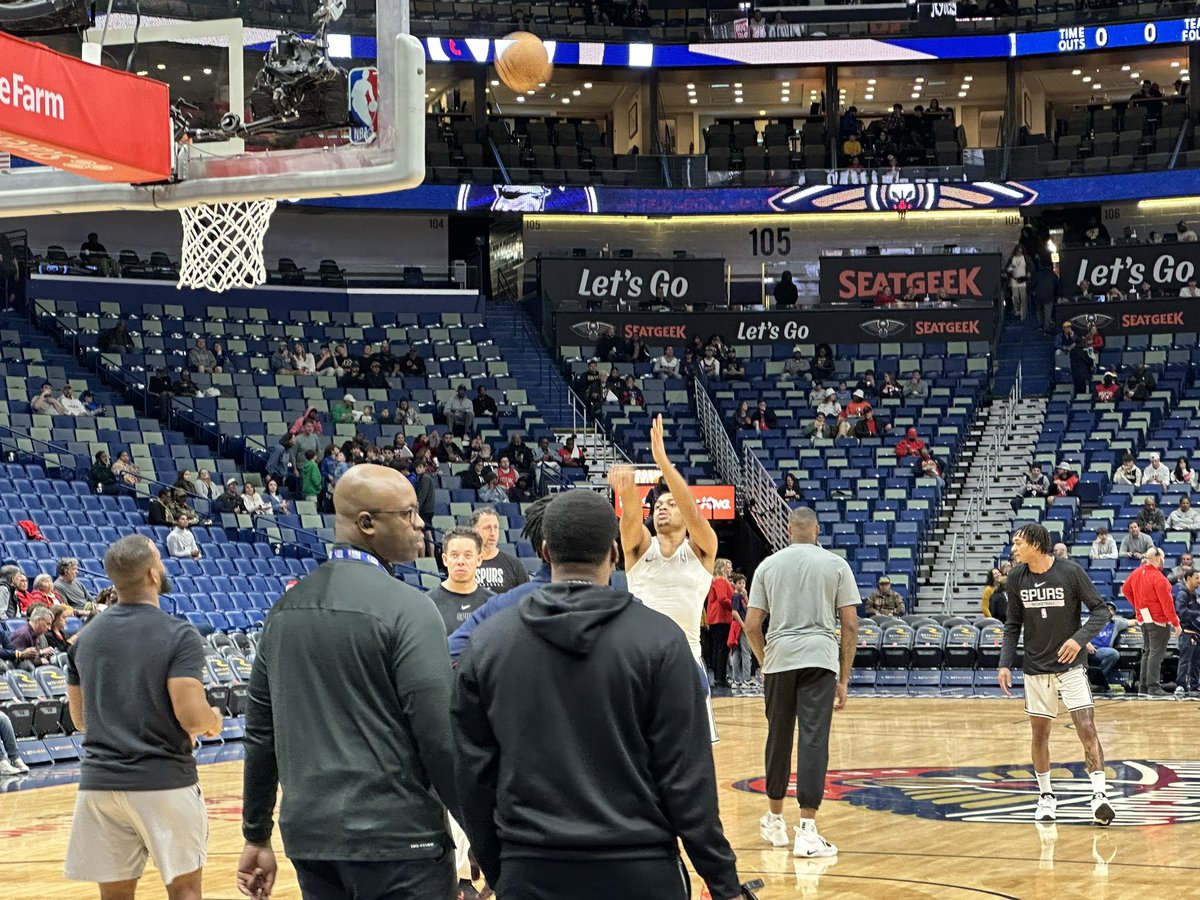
[1046,598]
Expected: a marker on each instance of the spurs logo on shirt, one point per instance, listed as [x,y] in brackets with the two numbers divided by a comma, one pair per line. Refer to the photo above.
[1039,597]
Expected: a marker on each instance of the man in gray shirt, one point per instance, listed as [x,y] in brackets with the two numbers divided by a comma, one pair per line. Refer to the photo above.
[915,388]
[306,440]
[68,586]
[806,591]
[1136,544]
[200,358]
[135,690]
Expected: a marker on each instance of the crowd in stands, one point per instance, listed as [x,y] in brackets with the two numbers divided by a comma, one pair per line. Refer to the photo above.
[894,140]
[51,610]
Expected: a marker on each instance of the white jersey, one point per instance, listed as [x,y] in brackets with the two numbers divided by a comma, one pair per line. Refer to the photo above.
[675,586]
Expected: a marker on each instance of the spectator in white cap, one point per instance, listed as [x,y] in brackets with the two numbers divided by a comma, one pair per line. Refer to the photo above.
[343,411]
[854,411]
[829,406]
[1156,472]
[1064,482]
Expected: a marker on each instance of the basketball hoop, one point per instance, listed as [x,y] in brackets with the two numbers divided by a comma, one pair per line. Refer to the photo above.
[223,244]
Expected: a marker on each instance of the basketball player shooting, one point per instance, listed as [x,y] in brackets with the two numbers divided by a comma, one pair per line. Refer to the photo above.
[1050,595]
[671,571]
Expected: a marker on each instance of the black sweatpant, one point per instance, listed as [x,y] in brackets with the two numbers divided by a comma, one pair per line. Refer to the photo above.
[719,635]
[410,879]
[545,879]
[801,697]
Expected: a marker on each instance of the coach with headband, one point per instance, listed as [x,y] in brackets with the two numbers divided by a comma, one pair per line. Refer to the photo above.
[591,803]
[349,711]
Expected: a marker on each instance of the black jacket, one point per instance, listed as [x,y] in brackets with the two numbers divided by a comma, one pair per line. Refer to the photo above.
[349,712]
[581,733]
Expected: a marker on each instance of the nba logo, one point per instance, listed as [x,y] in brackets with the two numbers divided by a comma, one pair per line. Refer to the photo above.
[364,104]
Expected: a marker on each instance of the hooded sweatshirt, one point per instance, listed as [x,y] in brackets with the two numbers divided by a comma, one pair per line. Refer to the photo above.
[581,734]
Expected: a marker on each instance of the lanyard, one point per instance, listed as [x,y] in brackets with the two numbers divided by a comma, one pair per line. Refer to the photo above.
[358,555]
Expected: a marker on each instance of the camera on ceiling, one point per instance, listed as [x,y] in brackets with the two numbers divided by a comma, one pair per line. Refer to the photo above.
[31,17]
[299,88]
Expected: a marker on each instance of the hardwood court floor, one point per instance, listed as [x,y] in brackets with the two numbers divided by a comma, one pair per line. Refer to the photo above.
[899,827]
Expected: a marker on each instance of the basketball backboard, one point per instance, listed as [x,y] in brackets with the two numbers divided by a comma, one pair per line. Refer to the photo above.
[233,169]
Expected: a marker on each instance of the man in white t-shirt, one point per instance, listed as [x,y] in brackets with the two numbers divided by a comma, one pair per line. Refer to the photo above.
[671,570]
[1156,472]
[71,404]
[806,591]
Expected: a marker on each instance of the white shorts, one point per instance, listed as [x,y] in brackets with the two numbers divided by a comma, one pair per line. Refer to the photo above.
[1042,692]
[462,848]
[113,832]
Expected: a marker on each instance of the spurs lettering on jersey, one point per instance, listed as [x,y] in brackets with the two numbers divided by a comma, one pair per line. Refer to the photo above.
[1041,597]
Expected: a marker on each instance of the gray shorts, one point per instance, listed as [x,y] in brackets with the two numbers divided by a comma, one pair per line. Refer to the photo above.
[113,832]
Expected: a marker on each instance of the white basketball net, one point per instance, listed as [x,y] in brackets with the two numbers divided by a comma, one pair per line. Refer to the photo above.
[223,244]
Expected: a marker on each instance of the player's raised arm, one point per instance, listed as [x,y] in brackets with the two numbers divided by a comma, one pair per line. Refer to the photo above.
[700,531]
[635,537]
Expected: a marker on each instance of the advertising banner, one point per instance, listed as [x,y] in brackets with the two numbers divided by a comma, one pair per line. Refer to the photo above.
[85,119]
[850,279]
[1133,316]
[632,281]
[833,326]
[716,501]
[1166,266]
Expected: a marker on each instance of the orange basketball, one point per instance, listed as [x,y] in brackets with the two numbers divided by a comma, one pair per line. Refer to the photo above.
[524,63]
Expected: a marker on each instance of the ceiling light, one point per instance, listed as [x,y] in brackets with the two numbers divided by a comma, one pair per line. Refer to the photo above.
[187,77]
[520,99]
[566,99]
[961,94]
[870,81]
[737,93]
[207,70]
[587,85]
[719,85]
[143,72]
[1087,79]
[1097,87]
[1175,64]
[1136,75]
[161,66]
[541,84]
[762,112]
[786,83]
[737,99]
[1075,72]
[691,85]
[916,96]
[693,101]
[531,93]
[739,84]
[1126,67]
[1183,71]
[968,78]
[495,82]
[575,93]
[920,79]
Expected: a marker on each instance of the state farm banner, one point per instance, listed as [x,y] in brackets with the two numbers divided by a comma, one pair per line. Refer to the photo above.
[1166,266]
[1133,316]
[968,276]
[973,322]
[631,280]
[85,119]
[716,501]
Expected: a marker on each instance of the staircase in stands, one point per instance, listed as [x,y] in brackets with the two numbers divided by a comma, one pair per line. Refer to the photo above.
[535,369]
[1022,344]
[976,521]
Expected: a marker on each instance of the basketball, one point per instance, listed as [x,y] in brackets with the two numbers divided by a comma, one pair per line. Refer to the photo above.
[524,63]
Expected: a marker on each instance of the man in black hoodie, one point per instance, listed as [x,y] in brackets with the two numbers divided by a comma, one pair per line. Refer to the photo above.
[592,802]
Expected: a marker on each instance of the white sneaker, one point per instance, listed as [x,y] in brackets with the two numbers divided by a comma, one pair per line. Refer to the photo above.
[1102,811]
[19,764]
[810,845]
[7,768]
[773,830]
[1047,808]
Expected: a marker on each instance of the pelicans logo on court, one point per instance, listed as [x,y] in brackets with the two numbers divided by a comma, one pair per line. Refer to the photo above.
[1142,791]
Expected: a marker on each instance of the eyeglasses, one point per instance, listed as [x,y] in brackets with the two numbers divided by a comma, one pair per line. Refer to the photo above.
[410,513]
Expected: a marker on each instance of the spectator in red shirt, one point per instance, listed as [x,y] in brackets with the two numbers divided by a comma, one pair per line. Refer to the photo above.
[43,592]
[1064,482]
[719,613]
[885,296]
[506,474]
[1149,591]
[910,445]
[1108,390]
